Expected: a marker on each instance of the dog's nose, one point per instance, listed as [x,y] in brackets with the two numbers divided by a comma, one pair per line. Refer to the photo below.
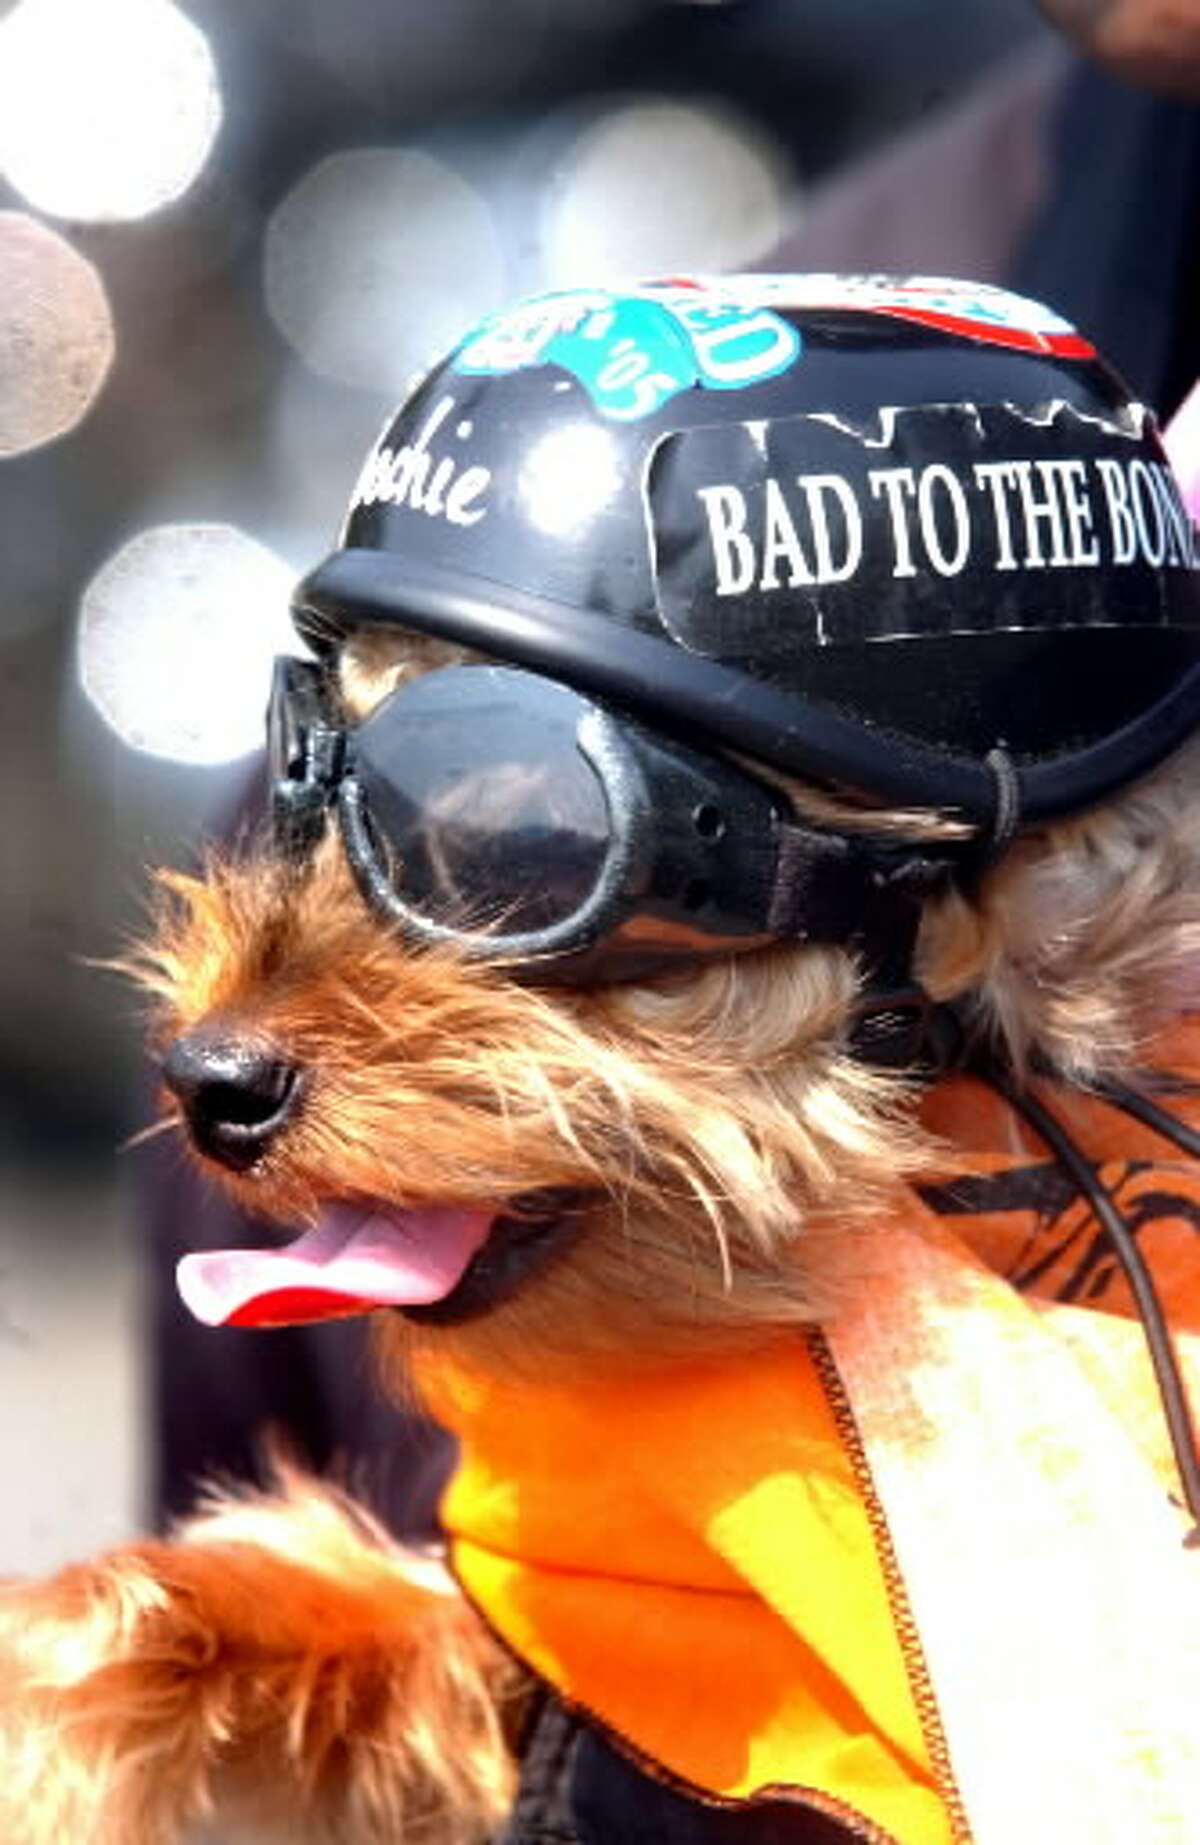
[236,1094]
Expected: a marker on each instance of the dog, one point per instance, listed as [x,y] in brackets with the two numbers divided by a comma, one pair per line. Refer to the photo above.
[782,1339]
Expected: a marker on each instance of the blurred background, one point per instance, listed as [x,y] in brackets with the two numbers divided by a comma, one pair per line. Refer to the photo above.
[230,232]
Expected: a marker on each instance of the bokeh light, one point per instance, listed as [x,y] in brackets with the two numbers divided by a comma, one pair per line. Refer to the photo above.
[56,334]
[177,633]
[108,108]
[376,261]
[658,186]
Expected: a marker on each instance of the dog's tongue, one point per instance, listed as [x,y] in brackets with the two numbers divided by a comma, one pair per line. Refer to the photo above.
[354,1259]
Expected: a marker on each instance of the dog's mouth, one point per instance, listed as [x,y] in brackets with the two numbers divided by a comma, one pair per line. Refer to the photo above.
[442,1264]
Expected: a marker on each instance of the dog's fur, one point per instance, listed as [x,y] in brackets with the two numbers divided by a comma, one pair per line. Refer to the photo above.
[281,1662]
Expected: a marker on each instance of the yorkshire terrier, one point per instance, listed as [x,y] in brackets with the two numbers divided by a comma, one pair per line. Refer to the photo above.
[751,1258]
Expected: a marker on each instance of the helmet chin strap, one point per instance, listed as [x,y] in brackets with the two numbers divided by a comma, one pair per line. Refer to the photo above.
[1006,811]
[997,834]
[896,1026]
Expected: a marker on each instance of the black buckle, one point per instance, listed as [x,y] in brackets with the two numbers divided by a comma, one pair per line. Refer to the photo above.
[901,1028]
[305,742]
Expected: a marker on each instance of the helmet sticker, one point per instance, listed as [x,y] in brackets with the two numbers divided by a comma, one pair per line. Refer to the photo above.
[632,352]
[972,310]
[940,519]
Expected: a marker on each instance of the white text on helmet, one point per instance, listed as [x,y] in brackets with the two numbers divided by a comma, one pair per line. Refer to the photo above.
[1004,515]
[413,476]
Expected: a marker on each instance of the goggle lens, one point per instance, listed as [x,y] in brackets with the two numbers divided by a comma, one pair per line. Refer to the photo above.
[489,815]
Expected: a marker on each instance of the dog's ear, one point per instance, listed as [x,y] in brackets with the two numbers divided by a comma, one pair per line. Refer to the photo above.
[1086,935]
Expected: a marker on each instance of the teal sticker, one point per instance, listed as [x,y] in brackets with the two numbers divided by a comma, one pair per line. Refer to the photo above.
[633,352]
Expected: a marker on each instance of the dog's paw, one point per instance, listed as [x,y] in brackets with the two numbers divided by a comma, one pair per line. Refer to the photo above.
[281,1665]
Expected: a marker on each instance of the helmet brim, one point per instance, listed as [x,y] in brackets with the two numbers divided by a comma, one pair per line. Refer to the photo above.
[713,703]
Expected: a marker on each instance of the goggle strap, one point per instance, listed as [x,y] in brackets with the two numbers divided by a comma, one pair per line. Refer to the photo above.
[866,896]
[819,887]
[835,888]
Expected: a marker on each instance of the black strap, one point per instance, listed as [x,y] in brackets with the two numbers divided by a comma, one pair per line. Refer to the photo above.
[1149,1113]
[862,892]
[1006,814]
[867,895]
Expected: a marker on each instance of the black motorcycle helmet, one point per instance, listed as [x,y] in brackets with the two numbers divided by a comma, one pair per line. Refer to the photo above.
[908,538]
[877,533]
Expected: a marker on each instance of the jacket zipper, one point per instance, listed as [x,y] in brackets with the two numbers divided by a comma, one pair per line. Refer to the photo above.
[916,1665]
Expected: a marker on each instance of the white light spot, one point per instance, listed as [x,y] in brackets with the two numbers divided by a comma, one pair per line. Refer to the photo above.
[376,262]
[659,187]
[568,477]
[56,334]
[177,633]
[108,108]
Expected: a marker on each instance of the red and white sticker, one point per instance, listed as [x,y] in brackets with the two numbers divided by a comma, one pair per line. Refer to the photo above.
[973,310]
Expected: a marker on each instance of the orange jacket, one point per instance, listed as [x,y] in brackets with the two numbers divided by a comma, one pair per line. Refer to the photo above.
[923,1568]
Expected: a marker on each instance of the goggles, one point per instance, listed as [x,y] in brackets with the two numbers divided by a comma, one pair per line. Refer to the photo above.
[532,826]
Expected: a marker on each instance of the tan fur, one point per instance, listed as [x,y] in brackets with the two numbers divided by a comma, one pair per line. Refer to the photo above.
[1088,935]
[704,1112]
[282,1663]
[372,665]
